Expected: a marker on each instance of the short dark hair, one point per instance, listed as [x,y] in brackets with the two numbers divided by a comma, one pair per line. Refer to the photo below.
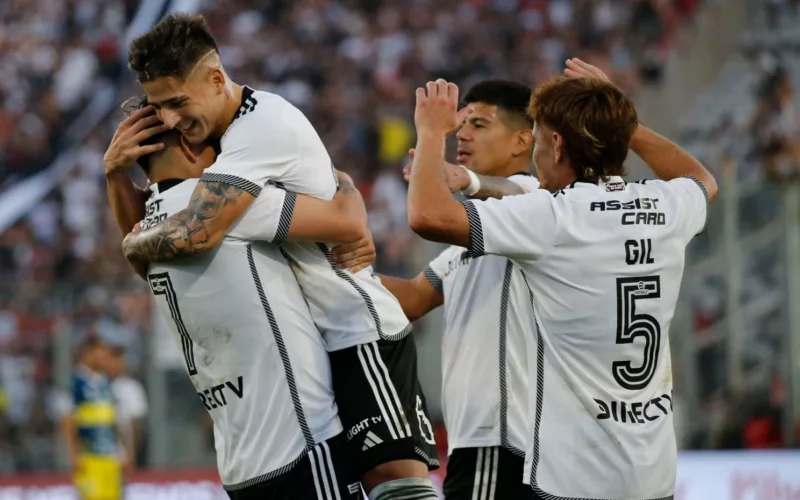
[173,47]
[594,117]
[511,97]
[129,107]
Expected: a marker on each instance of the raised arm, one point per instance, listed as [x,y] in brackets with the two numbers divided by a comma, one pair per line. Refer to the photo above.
[126,200]
[417,296]
[667,160]
[432,211]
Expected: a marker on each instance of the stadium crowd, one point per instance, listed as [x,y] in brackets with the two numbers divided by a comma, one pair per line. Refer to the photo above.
[351,65]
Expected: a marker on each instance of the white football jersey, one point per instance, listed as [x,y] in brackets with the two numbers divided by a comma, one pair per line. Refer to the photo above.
[250,346]
[271,143]
[487,317]
[603,264]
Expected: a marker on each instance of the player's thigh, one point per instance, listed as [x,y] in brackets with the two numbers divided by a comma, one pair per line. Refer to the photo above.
[491,473]
[381,404]
[323,474]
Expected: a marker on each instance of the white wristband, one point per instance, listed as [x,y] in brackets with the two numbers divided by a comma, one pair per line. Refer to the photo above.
[474,183]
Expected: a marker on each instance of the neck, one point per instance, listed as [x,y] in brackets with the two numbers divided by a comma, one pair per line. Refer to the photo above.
[515,166]
[566,178]
[233,100]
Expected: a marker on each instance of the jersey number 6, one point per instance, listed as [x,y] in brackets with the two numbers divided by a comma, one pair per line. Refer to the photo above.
[631,325]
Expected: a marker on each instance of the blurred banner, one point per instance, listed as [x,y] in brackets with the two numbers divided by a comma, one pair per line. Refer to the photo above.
[771,475]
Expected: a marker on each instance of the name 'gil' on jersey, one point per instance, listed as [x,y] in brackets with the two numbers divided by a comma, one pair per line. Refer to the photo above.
[603,293]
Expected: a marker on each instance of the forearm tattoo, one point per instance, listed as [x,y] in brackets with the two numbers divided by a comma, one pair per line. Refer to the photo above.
[187,232]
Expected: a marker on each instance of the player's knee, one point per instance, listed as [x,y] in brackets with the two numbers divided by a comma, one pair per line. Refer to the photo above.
[410,487]
[394,470]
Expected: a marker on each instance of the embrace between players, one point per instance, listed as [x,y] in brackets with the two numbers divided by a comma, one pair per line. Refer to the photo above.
[558,292]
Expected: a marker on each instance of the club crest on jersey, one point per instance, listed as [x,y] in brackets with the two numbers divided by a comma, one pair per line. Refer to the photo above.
[615,186]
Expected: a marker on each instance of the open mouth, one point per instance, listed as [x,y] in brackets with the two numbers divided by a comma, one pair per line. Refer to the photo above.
[463,156]
[191,128]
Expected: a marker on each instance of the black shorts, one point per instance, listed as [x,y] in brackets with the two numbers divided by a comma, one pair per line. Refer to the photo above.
[381,404]
[317,476]
[486,474]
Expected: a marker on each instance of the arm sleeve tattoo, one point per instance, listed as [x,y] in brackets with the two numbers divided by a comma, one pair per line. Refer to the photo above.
[194,229]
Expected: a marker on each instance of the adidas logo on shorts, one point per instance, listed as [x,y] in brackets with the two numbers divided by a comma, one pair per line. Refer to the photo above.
[370,440]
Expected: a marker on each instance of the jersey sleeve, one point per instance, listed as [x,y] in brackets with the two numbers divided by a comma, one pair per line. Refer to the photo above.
[437,269]
[521,227]
[528,182]
[268,218]
[692,196]
[254,152]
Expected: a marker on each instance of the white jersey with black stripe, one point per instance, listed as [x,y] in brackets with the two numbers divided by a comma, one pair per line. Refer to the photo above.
[487,315]
[271,143]
[252,351]
[603,265]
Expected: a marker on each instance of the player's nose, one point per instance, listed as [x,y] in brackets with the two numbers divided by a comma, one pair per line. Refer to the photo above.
[168,117]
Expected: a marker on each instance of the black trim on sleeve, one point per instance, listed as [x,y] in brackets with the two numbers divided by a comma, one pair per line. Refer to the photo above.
[286,218]
[475,230]
[699,184]
[434,279]
[244,184]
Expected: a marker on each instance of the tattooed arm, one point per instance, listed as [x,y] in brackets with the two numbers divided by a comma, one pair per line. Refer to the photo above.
[198,228]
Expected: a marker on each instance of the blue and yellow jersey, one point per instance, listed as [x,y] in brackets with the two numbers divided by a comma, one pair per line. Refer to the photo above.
[93,413]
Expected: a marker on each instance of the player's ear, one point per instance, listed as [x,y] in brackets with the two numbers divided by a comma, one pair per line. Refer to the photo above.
[523,142]
[558,147]
[217,77]
[187,149]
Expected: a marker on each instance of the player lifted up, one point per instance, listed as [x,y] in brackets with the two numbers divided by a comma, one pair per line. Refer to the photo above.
[265,140]
[602,261]
[487,312]
[222,306]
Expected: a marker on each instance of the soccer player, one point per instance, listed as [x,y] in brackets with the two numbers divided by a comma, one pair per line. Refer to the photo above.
[219,306]
[88,425]
[487,312]
[602,260]
[264,139]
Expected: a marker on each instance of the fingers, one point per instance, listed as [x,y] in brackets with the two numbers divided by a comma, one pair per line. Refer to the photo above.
[149,132]
[421,97]
[452,92]
[140,151]
[361,263]
[135,117]
[432,90]
[411,153]
[144,123]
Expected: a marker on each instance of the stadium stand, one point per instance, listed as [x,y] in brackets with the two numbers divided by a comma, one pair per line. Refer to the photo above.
[351,65]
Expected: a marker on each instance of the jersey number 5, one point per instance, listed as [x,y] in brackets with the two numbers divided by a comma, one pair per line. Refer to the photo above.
[631,325]
[161,284]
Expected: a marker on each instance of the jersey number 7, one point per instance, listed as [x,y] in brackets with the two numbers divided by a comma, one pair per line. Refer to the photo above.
[631,325]
[161,284]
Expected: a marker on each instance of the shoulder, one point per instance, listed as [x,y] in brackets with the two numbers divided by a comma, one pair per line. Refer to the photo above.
[262,123]
[525,180]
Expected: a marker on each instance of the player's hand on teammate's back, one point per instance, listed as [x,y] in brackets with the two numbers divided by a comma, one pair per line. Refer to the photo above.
[125,147]
[355,256]
[437,108]
[455,176]
[577,68]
